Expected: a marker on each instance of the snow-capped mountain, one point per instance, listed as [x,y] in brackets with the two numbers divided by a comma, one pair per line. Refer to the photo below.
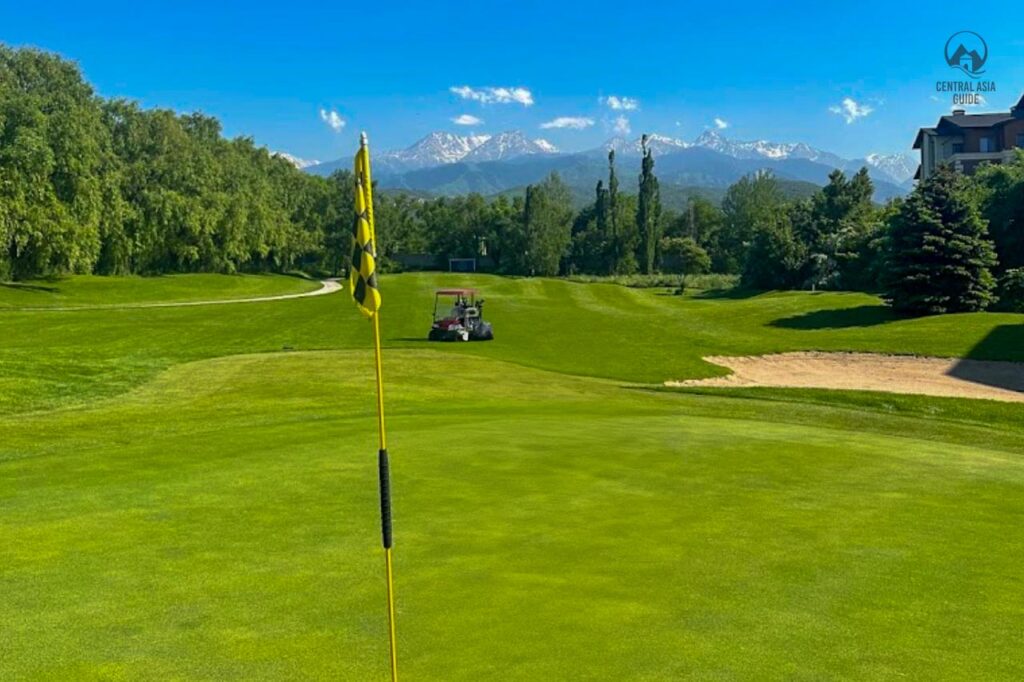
[660,144]
[508,145]
[545,146]
[294,160]
[446,162]
[763,149]
[710,139]
[901,166]
[435,149]
[897,168]
[621,145]
[443,148]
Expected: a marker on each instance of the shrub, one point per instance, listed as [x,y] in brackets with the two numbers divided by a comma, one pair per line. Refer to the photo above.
[774,259]
[710,281]
[684,255]
[1011,291]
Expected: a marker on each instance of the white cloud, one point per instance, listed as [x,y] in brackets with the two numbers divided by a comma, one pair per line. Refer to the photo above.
[621,126]
[721,124]
[467,120]
[491,95]
[574,122]
[332,119]
[851,110]
[982,102]
[620,103]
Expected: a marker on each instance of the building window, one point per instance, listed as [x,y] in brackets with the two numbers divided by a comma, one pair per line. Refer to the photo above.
[958,147]
[987,144]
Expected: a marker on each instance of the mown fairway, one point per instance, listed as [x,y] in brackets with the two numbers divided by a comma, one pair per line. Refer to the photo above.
[191,492]
[94,291]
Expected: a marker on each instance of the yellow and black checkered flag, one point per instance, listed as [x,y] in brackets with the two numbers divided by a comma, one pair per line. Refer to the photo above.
[362,282]
[362,276]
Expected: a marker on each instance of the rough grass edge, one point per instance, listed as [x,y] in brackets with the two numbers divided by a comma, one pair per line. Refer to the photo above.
[710,281]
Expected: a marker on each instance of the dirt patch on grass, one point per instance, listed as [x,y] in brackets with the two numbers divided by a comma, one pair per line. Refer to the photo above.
[949,377]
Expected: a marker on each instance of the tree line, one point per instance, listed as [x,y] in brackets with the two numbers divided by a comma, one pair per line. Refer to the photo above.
[100,185]
[94,185]
[956,243]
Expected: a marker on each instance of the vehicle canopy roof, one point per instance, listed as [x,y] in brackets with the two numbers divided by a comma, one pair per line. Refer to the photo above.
[455,292]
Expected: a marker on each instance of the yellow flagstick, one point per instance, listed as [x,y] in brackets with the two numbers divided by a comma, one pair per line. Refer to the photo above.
[364,286]
[385,500]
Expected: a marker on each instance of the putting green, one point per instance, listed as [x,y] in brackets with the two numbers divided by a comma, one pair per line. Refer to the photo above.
[186,504]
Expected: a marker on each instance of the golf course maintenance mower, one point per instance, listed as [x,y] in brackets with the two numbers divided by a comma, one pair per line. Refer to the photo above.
[458,316]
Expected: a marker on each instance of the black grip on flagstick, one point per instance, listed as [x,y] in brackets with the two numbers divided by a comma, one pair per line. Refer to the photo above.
[385,497]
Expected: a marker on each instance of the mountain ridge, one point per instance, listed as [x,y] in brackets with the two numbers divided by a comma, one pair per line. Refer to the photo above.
[446,163]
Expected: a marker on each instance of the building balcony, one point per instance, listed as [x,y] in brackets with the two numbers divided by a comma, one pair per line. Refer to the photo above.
[976,157]
[968,162]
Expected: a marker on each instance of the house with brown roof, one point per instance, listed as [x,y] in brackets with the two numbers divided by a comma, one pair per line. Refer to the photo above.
[968,140]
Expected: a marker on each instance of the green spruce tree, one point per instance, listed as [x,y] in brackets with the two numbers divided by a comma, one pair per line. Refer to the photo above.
[940,255]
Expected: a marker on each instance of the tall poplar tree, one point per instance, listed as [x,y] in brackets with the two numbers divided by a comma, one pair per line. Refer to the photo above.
[621,227]
[648,210]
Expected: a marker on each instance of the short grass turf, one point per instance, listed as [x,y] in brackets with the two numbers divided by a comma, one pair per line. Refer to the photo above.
[200,508]
[599,330]
[87,290]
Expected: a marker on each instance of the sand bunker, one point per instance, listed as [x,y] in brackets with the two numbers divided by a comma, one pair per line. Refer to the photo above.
[873,372]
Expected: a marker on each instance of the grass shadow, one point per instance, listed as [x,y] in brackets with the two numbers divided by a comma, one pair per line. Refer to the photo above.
[38,288]
[1005,342]
[733,294]
[299,274]
[840,318]
[995,360]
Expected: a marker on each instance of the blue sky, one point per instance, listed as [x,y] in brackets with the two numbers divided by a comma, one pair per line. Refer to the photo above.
[277,71]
